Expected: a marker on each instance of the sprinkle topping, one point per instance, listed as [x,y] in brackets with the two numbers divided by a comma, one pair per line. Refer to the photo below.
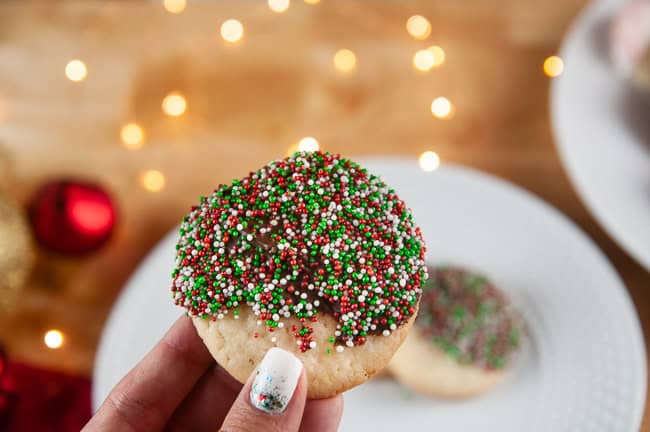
[469,318]
[313,233]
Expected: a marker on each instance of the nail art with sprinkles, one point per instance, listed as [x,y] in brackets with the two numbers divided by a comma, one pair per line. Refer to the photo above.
[275,381]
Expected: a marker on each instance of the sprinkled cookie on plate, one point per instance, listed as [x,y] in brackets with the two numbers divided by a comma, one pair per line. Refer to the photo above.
[463,339]
[311,254]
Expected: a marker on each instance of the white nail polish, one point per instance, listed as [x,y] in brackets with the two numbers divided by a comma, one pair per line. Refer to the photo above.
[275,381]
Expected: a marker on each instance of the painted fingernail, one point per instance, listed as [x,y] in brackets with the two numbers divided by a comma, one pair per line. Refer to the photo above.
[275,381]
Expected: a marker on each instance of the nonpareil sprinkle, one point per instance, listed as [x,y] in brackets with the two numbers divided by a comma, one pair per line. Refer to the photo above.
[310,234]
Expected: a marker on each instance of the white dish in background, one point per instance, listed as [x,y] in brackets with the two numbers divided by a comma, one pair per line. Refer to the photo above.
[584,368]
[602,131]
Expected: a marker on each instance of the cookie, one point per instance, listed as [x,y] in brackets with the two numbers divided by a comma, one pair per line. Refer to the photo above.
[464,337]
[311,254]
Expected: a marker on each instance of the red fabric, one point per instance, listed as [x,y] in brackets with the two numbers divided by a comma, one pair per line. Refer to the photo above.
[39,400]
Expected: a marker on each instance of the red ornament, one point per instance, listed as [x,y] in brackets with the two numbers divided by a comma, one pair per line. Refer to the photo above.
[71,218]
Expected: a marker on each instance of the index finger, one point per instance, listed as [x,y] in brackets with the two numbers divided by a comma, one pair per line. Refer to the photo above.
[148,395]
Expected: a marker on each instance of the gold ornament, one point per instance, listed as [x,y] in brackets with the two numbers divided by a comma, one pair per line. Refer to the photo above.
[6,173]
[16,253]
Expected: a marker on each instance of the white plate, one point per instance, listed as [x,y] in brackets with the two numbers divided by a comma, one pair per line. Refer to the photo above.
[603,133]
[584,369]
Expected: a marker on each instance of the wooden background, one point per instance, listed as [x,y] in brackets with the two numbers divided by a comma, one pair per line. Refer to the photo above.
[247,104]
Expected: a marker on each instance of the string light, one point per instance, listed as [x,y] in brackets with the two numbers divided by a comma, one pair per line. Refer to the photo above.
[418,27]
[174,104]
[174,6]
[426,59]
[132,136]
[553,66]
[76,70]
[279,6]
[423,60]
[442,108]
[153,180]
[345,60]
[53,339]
[291,150]
[232,30]
[308,144]
[438,55]
[429,161]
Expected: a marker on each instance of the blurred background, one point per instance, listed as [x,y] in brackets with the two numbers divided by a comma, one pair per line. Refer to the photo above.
[133,109]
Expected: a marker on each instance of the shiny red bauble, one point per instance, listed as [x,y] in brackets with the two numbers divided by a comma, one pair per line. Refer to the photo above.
[71,217]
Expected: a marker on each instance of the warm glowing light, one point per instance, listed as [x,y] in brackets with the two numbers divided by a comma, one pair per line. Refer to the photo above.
[429,161]
[291,150]
[442,108]
[53,339]
[426,59]
[153,180]
[419,27]
[308,144]
[312,2]
[174,6]
[423,60]
[438,55]
[174,104]
[553,66]
[232,31]
[132,136]
[279,5]
[345,60]
[76,70]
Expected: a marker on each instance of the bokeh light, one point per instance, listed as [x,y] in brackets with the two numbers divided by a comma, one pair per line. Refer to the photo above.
[174,104]
[53,339]
[553,66]
[232,30]
[312,2]
[153,180]
[418,27]
[429,161]
[174,6]
[308,144]
[438,55]
[291,150]
[76,70]
[279,5]
[423,60]
[132,136]
[442,108]
[345,60]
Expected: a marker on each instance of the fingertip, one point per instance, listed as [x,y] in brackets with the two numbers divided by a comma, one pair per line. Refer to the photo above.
[322,415]
[274,396]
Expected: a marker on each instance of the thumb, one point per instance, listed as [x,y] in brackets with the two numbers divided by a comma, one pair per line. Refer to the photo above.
[273,399]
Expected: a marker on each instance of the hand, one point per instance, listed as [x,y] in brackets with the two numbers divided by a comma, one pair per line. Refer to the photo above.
[178,386]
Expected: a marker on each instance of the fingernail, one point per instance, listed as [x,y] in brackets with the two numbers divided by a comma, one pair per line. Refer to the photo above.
[275,381]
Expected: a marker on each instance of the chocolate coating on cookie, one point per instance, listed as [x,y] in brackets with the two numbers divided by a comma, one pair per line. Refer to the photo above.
[465,315]
[310,234]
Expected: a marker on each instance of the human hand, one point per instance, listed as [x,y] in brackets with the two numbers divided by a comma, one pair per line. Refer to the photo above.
[178,386]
